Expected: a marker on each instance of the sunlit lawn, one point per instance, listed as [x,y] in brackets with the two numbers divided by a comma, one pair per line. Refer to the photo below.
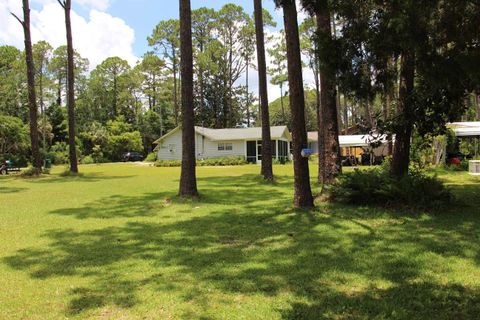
[116,243]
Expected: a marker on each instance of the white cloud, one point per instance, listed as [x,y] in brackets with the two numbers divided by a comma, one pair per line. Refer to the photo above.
[96,37]
[101,5]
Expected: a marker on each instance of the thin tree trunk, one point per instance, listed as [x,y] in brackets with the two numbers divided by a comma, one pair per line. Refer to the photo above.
[281,104]
[404,127]
[248,96]
[302,191]
[188,180]
[267,171]
[42,105]
[175,98]
[332,167]
[67,4]
[345,116]
[59,91]
[477,104]
[32,100]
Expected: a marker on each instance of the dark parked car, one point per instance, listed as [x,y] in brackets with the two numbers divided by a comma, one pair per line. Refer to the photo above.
[132,156]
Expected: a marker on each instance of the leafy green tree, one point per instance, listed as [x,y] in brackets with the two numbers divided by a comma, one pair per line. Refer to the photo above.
[435,43]
[108,84]
[14,137]
[58,69]
[13,95]
[165,40]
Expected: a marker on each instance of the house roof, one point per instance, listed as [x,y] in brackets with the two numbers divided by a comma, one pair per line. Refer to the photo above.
[359,140]
[235,133]
[465,129]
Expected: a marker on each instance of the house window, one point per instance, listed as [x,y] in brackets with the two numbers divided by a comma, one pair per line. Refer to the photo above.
[225,147]
[171,147]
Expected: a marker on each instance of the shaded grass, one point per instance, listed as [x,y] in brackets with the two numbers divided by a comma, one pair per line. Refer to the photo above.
[118,243]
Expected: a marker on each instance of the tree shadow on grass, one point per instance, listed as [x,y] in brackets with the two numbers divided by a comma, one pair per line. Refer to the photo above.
[81,177]
[116,206]
[4,190]
[402,301]
[334,265]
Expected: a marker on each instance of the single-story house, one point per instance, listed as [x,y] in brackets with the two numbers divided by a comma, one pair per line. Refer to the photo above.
[465,129]
[353,145]
[216,143]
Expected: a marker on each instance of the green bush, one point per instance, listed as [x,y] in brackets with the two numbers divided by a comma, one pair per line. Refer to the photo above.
[97,154]
[151,157]
[87,160]
[378,187]
[59,153]
[168,163]
[226,161]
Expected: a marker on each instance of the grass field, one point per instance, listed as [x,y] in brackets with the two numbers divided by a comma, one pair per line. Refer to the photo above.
[116,243]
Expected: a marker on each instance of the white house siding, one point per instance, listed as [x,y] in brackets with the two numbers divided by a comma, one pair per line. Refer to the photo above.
[204,148]
[211,149]
[164,151]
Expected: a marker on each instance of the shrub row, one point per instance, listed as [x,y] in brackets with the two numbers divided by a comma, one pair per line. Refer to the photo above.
[227,161]
[378,187]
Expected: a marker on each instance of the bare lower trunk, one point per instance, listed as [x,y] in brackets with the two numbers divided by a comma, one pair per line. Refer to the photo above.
[175,91]
[281,104]
[329,126]
[188,180]
[267,171]
[248,95]
[404,127]
[71,91]
[302,190]
[477,104]
[32,101]
[345,115]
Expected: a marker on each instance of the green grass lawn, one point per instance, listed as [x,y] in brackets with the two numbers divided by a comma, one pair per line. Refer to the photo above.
[116,243]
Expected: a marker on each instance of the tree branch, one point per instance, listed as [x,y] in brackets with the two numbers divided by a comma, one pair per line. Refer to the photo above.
[18,19]
[62,3]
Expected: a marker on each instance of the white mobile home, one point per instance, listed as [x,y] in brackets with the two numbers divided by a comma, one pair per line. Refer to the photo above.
[354,145]
[216,143]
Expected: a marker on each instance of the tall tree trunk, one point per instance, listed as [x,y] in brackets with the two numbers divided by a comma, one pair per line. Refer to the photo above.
[477,104]
[188,180]
[115,111]
[302,191]
[67,4]
[248,95]
[42,105]
[32,100]
[175,97]
[267,170]
[404,127]
[345,115]
[320,125]
[329,126]
[59,91]
[281,104]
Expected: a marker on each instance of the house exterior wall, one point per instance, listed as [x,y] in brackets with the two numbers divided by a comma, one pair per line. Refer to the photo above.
[171,148]
[211,149]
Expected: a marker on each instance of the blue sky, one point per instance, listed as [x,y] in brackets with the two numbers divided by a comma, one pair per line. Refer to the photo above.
[143,15]
[106,28]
